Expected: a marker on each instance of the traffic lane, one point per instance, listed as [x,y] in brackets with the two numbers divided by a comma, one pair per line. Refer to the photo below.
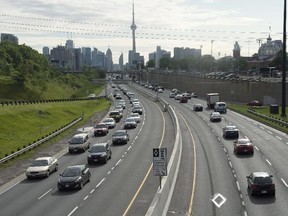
[122,184]
[33,191]
[272,144]
[214,176]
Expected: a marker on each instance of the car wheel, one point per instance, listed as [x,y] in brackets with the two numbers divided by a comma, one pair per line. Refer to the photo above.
[81,185]
[89,178]
[110,156]
[106,159]
[56,167]
[48,173]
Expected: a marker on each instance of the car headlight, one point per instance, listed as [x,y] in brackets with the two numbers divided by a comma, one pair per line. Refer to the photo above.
[78,179]
[89,156]
[59,181]
[104,155]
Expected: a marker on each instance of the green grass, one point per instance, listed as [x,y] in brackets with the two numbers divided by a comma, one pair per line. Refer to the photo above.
[265,110]
[24,124]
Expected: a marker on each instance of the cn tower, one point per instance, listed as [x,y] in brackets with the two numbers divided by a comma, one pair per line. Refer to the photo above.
[133,28]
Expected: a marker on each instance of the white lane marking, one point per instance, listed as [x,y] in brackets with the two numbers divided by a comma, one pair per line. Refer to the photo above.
[129,148]
[245,213]
[118,162]
[113,168]
[284,182]
[73,211]
[269,132]
[44,194]
[230,164]
[225,150]
[262,127]
[100,183]
[278,137]
[86,197]
[268,162]
[92,191]
[238,186]
[14,186]
[109,172]
[257,148]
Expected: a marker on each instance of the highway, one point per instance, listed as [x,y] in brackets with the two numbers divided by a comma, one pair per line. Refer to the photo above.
[211,179]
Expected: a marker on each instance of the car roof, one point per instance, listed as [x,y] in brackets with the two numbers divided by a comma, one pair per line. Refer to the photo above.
[43,158]
[261,174]
[99,144]
[80,166]
[80,135]
[109,119]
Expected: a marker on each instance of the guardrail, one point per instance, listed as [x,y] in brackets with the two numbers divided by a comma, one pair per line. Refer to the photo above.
[269,118]
[33,145]
[13,103]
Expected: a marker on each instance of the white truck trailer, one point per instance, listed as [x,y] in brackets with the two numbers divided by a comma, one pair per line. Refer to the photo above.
[211,99]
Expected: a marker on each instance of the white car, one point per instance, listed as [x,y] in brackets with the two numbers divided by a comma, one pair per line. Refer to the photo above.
[42,167]
[160,90]
[136,116]
[215,116]
[178,96]
[110,122]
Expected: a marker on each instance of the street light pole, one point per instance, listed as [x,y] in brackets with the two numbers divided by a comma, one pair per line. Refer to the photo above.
[201,58]
[211,53]
[283,114]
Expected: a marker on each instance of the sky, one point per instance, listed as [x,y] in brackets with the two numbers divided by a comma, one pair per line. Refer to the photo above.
[214,25]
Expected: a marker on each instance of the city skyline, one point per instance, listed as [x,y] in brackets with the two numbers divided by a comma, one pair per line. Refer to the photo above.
[169,24]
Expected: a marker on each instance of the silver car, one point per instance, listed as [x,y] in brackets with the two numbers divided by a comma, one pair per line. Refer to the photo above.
[42,167]
[136,116]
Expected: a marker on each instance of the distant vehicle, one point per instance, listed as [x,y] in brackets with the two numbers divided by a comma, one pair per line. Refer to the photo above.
[101,129]
[160,90]
[122,103]
[172,95]
[74,177]
[79,142]
[42,167]
[129,123]
[136,116]
[194,95]
[261,183]
[178,96]
[230,131]
[118,96]
[137,109]
[243,146]
[110,122]
[197,107]
[120,136]
[211,99]
[116,114]
[99,153]
[220,107]
[183,100]
[215,117]
[92,96]
[119,107]
[187,95]
[254,103]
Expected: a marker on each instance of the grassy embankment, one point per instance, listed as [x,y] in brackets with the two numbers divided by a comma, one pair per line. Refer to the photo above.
[265,110]
[24,124]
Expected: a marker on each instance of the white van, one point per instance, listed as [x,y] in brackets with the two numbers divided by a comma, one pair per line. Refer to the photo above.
[220,107]
[79,142]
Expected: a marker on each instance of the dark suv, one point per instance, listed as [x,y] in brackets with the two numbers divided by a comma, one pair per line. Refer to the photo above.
[120,136]
[99,152]
[261,183]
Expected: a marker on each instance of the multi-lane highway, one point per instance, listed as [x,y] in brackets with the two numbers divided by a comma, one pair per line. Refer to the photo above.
[211,178]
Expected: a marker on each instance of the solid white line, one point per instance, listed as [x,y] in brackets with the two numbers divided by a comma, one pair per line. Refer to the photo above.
[279,138]
[256,148]
[85,197]
[92,191]
[44,194]
[73,211]
[268,162]
[284,182]
[118,162]
[14,186]
[100,183]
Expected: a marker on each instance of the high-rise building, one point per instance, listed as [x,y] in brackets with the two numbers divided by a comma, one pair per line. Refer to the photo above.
[109,60]
[69,44]
[86,56]
[121,62]
[9,37]
[45,51]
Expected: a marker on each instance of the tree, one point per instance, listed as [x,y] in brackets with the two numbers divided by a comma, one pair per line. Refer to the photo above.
[150,64]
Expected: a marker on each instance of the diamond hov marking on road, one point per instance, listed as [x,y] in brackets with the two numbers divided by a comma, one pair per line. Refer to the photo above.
[218,199]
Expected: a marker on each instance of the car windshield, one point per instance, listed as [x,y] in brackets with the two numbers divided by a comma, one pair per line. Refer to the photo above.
[71,172]
[230,127]
[101,126]
[109,120]
[129,120]
[263,180]
[119,133]
[76,140]
[97,148]
[114,113]
[39,163]
[134,115]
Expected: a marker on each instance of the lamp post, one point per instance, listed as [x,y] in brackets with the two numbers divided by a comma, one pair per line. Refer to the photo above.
[283,113]
[211,53]
[201,58]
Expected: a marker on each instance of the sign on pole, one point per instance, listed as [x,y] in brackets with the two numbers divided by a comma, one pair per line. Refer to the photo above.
[160,161]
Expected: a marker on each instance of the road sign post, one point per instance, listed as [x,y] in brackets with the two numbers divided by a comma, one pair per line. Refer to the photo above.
[160,162]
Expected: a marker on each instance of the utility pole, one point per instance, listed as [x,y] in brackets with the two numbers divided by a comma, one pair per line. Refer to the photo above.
[283,114]
[212,54]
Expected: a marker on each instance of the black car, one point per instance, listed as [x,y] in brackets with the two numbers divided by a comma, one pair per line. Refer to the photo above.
[120,137]
[74,177]
[261,183]
[230,131]
[197,107]
[99,153]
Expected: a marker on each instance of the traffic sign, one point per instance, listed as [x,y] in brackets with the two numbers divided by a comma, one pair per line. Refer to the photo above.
[160,161]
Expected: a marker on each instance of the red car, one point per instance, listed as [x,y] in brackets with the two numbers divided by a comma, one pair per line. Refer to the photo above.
[183,100]
[101,129]
[254,103]
[243,146]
